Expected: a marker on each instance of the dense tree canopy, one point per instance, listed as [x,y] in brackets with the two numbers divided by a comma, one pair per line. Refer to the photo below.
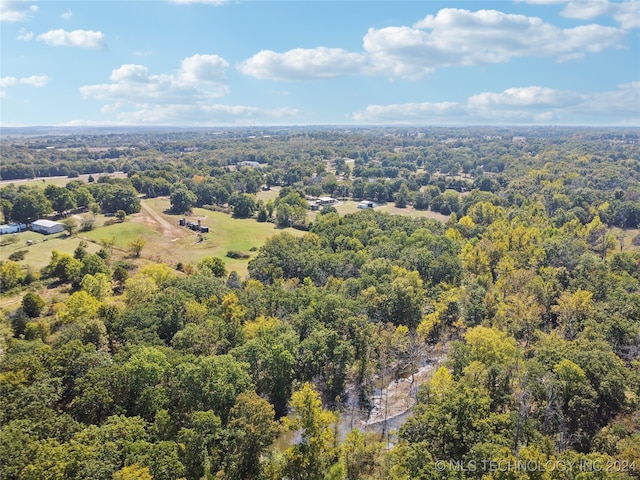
[517,313]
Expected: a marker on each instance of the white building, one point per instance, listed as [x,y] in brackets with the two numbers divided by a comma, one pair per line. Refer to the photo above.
[47,227]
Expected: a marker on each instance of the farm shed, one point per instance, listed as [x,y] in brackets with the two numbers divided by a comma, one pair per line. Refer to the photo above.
[47,227]
[12,228]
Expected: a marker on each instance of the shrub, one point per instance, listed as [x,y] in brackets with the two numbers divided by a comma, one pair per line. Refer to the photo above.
[32,304]
[237,254]
[17,256]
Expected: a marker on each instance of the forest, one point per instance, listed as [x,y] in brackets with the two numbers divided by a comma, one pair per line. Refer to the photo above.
[524,297]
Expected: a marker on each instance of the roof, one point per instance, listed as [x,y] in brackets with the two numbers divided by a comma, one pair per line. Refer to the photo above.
[45,223]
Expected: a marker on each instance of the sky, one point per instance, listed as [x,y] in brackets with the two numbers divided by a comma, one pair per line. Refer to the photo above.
[223,63]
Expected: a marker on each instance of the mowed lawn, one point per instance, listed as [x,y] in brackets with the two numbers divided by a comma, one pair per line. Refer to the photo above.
[39,252]
[169,243]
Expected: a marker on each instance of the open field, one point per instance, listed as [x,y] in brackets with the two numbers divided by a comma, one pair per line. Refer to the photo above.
[59,181]
[39,252]
[170,243]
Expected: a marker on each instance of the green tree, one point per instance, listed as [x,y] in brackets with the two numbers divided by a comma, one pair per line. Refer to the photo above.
[212,266]
[402,196]
[32,304]
[62,199]
[11,275]
[182,200]
[30,205]
[70,225]
[250,431]
[136,245]
[313,456]
[243,205]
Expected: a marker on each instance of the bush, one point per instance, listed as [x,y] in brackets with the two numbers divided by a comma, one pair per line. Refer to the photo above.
[111,221]
[17,256]
[237,254]
[32,304]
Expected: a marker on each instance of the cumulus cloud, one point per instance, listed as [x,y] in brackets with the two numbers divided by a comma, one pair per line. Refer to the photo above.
[185,96]
[626,12]
[24,35]
[409,112]
[530,105]
[461,37]
[303,64]
[536,97]
[33,80]
[75,38]
[16,11]
[452,37]
[199,78]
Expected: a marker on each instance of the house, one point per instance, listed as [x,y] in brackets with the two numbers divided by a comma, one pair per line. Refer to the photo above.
[12,228]
[366,204]
[323,201]
[47,227]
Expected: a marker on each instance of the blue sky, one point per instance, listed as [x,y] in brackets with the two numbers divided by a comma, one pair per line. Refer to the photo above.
[210,63]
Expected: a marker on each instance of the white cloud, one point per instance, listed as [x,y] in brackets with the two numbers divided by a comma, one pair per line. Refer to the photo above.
[452,37]
[409,112]
[186,96]
[303,64]
[67,15]
[535,97]
[626,12]
[461,37]
[34,81]
[529,105]
[75,38]
[24,35]
[16,11]
[199,78]
[212,114]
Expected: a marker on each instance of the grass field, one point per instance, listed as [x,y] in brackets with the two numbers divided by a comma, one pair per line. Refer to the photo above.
[39,252]
[170,243]
[59,181]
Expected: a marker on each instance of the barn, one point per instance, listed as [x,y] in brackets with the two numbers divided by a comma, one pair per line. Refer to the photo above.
[47,227]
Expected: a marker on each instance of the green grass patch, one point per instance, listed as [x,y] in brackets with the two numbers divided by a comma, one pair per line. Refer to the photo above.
[38,253]
[122,232]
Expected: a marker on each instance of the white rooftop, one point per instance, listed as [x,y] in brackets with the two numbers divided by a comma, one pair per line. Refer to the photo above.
[45,223]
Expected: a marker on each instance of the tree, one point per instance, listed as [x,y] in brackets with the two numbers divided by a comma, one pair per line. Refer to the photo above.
[313,456]
[136,245]
[32,304]
[403,196]
[30,205]
[182,200]
[121,215]
[62,199]
[251,429]
[11,275]
[213,265]
[98,285]
[243,205]
[70,225]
